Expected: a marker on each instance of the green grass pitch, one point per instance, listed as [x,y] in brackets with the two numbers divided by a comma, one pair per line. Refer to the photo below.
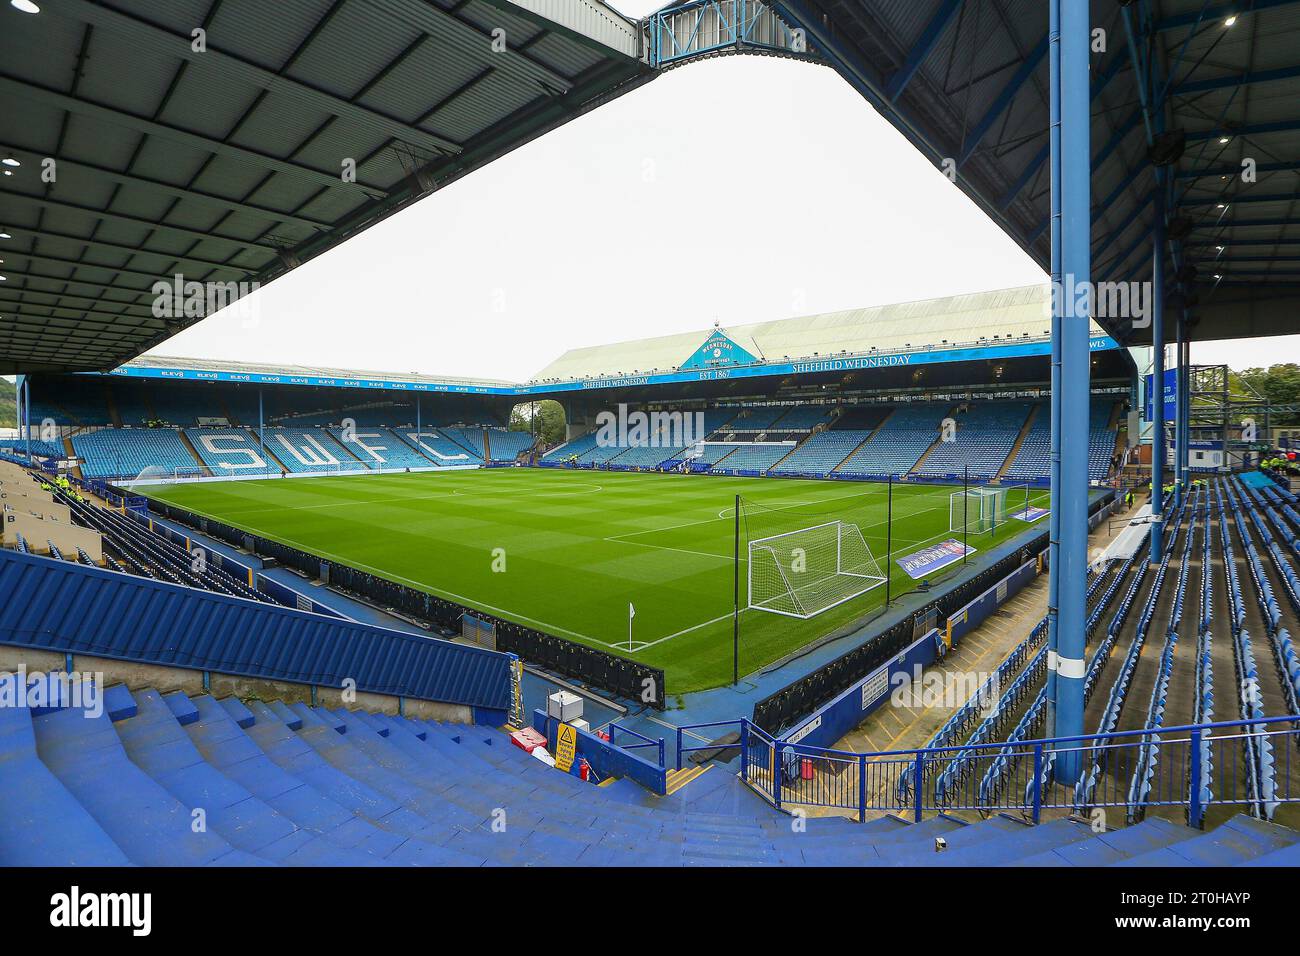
[579,546]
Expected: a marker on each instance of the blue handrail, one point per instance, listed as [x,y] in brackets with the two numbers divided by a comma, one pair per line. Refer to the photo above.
[767,769]
[649,742]
[741,723]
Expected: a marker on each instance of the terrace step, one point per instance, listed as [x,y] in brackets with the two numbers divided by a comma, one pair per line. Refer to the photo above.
[1020,440]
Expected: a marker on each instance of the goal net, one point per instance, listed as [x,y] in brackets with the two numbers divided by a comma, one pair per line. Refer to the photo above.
[804,572]
[977,510]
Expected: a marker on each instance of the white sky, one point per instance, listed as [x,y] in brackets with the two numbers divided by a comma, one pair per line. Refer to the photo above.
[739,189]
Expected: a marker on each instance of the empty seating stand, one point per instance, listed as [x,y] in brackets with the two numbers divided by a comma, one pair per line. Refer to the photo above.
[1033,458]
[898,443]
[283,783]
[983,437]
[131,452]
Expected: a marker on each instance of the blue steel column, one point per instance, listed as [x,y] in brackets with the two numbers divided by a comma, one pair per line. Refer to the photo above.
[1158,375]
[260,440]
[25,403]
[418,439]
[1054,519]
[1070,496]
[1185,462]
[1180,414]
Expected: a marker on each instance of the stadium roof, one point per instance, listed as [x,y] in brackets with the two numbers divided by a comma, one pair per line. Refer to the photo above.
[969,82]
[225,164]
[288,373]
[977,319]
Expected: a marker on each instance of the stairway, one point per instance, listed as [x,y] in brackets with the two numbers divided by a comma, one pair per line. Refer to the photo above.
[114,416]
[71,455]
[348,453]
[189,446]
[916,465]
[1020,440]
[284,783]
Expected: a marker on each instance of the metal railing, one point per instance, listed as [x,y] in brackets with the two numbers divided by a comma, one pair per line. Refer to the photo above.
[1020,776]
[646,741]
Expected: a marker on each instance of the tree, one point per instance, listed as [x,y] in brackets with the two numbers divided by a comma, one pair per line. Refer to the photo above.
[8,404]
[1279,384]
[550,420]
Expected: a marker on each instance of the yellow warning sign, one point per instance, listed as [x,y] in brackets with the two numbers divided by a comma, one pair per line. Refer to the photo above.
[566,747]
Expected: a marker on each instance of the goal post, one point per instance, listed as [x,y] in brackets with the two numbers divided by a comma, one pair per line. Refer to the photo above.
[977,510]
[808,571]
[1020,502]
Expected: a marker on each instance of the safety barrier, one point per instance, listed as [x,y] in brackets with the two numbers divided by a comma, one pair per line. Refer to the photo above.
[793,774]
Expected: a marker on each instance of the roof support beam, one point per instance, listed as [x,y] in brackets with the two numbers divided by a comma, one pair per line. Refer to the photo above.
[86,242]
[114,117]
[1228,261]
[1004,100]
[1236,170]
[438,22]
[1234,243]
[163,42]
[1239,198]
[151,277]
[1117,63]
[31,303]
[921,49]
[1257,129]
[1244,223]
[1221,12]
[139,223]
[170,189]
[1228,82]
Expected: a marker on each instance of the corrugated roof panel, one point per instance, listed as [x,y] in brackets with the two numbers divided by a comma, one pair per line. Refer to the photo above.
[420,81]
[344,56]
[591,19]
[489,102]
[928,323]
[52,61]
[519,28]
[254,30]
[564,55]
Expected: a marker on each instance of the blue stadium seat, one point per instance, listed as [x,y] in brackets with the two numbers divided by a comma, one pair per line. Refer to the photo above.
[129,452]
[437,449]
[898,443]
[308,449]
[231,451]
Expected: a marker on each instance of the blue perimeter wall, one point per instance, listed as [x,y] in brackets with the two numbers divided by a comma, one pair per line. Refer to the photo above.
[608,760]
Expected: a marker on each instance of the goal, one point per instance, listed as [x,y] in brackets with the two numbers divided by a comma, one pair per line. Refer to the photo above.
[805,572]
[977,510]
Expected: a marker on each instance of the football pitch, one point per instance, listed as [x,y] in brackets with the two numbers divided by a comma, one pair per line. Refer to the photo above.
[567,551]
